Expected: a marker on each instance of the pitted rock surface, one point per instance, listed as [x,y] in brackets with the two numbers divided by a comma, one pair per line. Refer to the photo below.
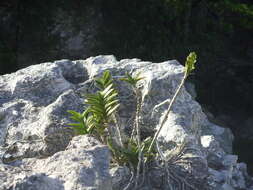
[37,148]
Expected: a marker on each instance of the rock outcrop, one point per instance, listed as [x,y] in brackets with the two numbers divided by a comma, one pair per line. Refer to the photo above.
[38,151]
[83,165]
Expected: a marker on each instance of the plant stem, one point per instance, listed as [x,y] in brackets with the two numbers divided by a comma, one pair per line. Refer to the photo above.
[167,112]
[137,120]
[118,129]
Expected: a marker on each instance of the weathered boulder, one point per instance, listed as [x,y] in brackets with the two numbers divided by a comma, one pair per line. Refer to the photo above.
[83,165]
[33,107]
[33,133]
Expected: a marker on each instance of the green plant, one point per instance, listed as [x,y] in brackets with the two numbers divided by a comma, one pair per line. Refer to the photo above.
[132,80]
[82,126]
[189,67]
[102,105]
[130,152]
[140,146]
[100,109]
[99,119]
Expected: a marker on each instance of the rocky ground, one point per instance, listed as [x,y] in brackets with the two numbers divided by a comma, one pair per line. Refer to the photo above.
[39,152]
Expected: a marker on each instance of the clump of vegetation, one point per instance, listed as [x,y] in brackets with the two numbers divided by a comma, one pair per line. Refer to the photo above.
[100,119]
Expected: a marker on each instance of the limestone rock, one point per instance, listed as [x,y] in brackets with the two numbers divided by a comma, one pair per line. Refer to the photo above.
[83,165]
[35,142]
[120,177]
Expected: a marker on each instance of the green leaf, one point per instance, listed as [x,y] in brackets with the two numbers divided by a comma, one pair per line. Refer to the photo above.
[79,128]
[76,119]
[112,110]
[112,96]
[132,80]
[99,84]
[190,63]
[90,128]
[106,75]
[107,93]
[111,103]
[104,81]
[108,88]
[74,113]
[92,100]
[86,112]
[98,110]
[75,124]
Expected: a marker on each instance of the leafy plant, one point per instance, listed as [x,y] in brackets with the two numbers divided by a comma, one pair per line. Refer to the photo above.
[100,108]
[100,118]
[104,81]
[130,152]
[132,80]
[82,126]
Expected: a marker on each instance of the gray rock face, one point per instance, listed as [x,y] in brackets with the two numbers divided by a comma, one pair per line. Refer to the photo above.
[83,165]
[120,177]
[37,150]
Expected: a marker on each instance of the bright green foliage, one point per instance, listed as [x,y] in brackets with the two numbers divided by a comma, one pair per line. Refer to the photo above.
[101,106]
[104,81]
[190,63]
[83,119]
[132,80]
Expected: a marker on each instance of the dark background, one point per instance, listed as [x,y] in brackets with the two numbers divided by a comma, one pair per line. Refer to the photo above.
[219,31]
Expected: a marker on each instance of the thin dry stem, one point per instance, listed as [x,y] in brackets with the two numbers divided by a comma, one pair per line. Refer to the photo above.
[118,129]
[167,112]
[138,109]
